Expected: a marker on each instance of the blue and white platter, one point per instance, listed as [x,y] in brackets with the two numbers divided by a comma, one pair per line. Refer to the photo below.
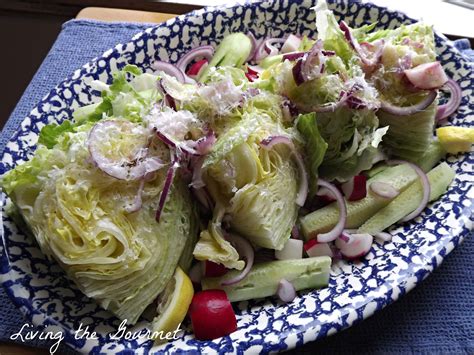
[356,289]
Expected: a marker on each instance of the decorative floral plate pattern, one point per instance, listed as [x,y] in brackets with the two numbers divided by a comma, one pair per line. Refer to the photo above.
[356,289]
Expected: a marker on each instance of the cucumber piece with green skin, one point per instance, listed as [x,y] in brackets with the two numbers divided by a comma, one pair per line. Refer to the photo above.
[430,158]
[440,178]
[400,177]
[324,219]
[263,278]
[233,51]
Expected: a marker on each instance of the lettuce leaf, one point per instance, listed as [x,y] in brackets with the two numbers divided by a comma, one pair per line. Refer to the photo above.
[328,31]
[315,146]
[353,138]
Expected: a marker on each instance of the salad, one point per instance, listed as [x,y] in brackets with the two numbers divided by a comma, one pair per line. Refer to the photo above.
[241,171]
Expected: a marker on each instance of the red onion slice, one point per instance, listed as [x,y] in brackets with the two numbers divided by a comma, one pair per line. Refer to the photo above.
[169,69]
[314,57]
[166,188]
[341,203]
[291,44]
[409,110]
[254,42]
[286,291]
[204,145]
[425,183]
[134,166]
[269,142]
[168,100]
[427,76]
[137,202]
[203,52]
[359,50]
[246,252]
[383,189]
[293,56]
[326,195]
[260,52]
[446,110]
[270,45]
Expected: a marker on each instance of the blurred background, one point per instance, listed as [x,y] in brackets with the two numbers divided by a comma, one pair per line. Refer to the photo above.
[28,28]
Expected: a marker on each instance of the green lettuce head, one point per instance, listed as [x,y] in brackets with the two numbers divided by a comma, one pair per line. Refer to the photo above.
[256,187]
[80,218]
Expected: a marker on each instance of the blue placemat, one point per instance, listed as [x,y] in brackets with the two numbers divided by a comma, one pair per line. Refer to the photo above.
[435,318]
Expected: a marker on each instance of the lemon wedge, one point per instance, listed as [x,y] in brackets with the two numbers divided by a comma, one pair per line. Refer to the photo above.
[172,306]
[456,139]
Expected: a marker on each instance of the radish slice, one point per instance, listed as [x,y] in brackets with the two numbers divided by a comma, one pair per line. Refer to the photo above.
[196,69]
[408,110]
[425,183]
[169,69]
[291,44]
[383,236]
[383,189]
[212,269]
[427,76]
[204,52]
[286,291]
[341,203]
[357,246]
[212,315]
[446,110]
[293,249]
[355,189]
[246,252]
[269,142]
[313,249]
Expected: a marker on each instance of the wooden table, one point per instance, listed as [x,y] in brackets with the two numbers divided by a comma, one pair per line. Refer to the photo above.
[111,14]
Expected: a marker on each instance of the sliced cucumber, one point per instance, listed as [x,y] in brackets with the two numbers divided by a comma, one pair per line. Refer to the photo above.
[440,178]
[263,279]
[433,154]
[430,158]
[233,50]
[324,219]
